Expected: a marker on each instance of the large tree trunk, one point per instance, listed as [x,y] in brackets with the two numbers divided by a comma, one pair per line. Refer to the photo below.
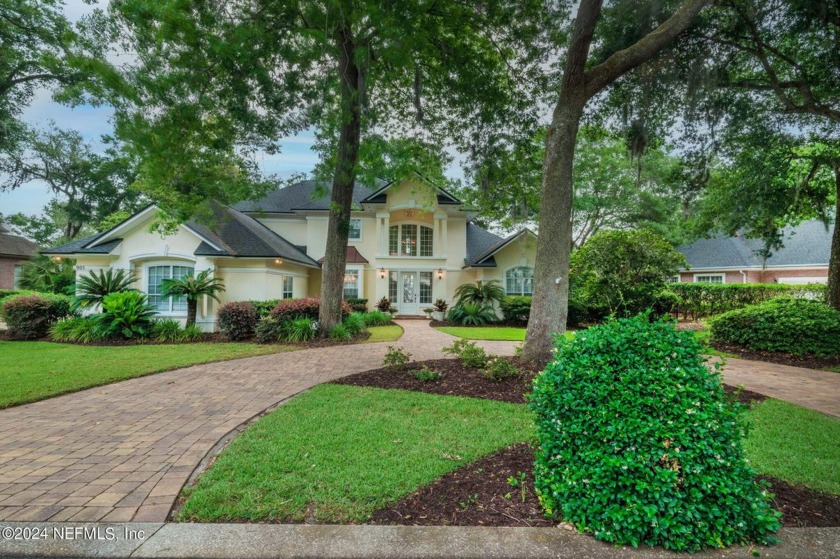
[834,259]
[338,228]
[550,304]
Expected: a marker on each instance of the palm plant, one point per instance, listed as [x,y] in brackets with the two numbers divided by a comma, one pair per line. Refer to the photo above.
[92,288]
[193,287]
[472,314]
[482,292]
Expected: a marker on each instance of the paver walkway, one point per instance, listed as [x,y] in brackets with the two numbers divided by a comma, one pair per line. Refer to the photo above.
[122,452]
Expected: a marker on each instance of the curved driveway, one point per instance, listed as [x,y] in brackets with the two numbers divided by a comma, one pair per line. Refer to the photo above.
[123,451]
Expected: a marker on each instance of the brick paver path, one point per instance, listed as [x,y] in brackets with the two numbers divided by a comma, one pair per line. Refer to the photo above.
[810,388]
[123,451]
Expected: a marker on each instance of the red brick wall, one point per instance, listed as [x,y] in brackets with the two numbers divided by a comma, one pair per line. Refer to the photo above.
[7,272]
[760,276]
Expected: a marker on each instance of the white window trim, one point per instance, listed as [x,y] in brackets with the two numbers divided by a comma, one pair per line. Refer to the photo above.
[399,239]
[360,280]
[504,280]
[170,263]
[675,279]
[721,276]
[283,287]
[361,230]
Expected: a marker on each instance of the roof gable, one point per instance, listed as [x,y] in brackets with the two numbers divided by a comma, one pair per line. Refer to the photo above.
[13,245]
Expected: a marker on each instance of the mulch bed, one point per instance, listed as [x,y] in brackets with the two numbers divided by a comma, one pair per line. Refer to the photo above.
[456,380]
[808,362]
[479,494]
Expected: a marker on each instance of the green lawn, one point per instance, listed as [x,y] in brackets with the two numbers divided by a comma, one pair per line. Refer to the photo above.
[337,453]
[512,334]
[390,333]
[32,371]
[795,444]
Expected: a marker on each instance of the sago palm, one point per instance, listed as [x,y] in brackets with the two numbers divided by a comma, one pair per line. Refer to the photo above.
[482,292]
[193,287]
[94,287]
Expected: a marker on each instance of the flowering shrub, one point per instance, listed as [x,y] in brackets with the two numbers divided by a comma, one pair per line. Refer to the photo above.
[309,308]
[237,320]
[639,445]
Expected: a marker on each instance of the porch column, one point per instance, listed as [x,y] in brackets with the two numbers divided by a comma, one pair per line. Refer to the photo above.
[386,228]
[443,237]
[436,240]
[378,235]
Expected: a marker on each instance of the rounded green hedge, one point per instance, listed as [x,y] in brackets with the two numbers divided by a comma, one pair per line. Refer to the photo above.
[638,443]
[796,326]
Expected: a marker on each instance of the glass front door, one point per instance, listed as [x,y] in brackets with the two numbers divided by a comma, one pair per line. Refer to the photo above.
[408,293]
[414,292]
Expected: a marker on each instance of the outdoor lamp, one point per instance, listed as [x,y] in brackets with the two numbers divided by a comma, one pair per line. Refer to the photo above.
[382,273]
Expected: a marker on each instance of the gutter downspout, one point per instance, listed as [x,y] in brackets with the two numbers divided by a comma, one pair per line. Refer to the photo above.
[743,276]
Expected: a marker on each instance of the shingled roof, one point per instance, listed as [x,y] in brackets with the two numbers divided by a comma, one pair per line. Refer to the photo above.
[808,244]
[305,195]
[15,246]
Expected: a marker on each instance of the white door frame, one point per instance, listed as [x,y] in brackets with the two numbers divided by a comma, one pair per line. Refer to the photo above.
[408,308]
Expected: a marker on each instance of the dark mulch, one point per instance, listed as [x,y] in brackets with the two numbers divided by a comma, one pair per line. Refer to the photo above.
[329,342]
[456,380]
[746,397]
[808,362]
[480,494]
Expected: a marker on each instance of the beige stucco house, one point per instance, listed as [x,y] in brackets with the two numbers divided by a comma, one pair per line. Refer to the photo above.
[410,241]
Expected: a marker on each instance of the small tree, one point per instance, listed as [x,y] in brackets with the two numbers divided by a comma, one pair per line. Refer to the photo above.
[193,287]
[92,288]
[623,271]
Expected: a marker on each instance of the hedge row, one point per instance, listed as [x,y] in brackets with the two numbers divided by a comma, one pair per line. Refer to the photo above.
[698,300]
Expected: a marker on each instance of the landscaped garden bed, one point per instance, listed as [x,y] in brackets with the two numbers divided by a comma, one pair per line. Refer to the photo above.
[780,358]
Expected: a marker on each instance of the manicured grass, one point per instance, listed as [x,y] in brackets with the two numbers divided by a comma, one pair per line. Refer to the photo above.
[512,334]
[795,444]
[337,453]
[390,333]
[32,371]
[704,336]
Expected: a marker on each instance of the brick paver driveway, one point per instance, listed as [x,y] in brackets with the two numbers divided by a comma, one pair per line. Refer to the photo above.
[123,451]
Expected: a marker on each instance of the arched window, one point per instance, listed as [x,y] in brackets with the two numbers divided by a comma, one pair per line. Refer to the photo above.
[408,239]
[519,281]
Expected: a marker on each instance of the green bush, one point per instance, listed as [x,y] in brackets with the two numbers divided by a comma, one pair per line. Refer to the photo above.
[699,300]
[30,316]
[75,329]
[355,323]
[377,318]
[167,330]
[516,308]
[358,305]
[93,287]
[639,444]
[784,324]
[192,333]
[264,308]
[269,330]
[470,354]
[237,320]
[340,332]
[426,374]
[472,314]
[499,368]
[298,329]
[127,314]
[396,357]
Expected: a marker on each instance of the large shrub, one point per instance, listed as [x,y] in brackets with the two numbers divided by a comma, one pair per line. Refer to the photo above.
[621,272]
[308,308]
[516,308]
[698,300]
[30,316]
[785,324]
[638,443]
[127,314]
[93,287]
[472,313]
[264,307]
[238,320]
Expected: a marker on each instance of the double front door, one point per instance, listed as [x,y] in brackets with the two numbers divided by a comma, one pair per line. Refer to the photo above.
[410,292]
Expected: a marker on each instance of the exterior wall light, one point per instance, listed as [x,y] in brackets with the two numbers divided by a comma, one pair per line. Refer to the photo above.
[440,273]
[382,273]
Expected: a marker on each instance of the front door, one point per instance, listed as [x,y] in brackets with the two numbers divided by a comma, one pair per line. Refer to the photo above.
[409,293]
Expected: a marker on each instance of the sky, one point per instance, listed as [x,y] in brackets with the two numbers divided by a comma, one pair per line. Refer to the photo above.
[295,157]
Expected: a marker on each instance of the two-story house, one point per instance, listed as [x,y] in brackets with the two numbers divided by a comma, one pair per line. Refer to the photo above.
[410,241]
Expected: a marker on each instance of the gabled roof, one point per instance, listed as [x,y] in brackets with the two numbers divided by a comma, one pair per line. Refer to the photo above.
[13,245]
[301,196]
[230,233]
[379,196]
[353,256]
[808,244]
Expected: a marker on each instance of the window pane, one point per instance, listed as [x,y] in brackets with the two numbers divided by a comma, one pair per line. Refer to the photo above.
[156,276]
[426,288]
[355,229]
[392,287]
[409,240]
[426,241]
[409,291]
[18,274]
[394,240]
[179,304]
[717,278]
[519,281]
[288,283]
[351,284]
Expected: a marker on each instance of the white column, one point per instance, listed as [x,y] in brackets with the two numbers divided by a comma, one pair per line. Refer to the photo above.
[378,235]
[436,237]
[386,228]
[445,246]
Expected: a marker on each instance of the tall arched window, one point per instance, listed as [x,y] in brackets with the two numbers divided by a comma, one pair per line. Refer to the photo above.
[408,239]
[519,281]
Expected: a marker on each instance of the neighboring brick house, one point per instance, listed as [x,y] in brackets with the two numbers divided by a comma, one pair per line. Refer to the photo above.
[803,259]
[14,252]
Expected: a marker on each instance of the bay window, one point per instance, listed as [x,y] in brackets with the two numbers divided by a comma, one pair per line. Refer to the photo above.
[154,288]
